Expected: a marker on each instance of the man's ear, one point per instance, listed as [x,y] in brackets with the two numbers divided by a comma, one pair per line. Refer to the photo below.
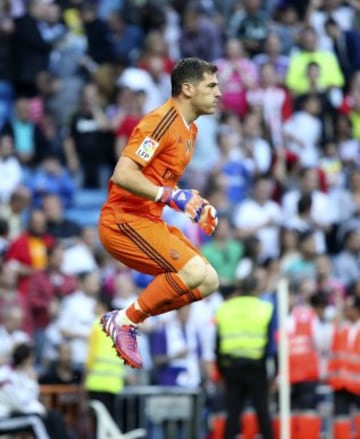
[188,89]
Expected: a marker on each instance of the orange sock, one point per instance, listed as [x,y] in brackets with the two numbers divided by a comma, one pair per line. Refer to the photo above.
[165,293]
[179,302]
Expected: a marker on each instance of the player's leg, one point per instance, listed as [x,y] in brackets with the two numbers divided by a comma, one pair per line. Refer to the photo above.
[181,276]
[188,276]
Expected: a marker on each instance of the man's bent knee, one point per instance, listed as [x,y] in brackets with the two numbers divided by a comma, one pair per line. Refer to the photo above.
[210,283]
[194,272]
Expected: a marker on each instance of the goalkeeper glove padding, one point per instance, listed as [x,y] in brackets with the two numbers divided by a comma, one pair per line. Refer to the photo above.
[182,200]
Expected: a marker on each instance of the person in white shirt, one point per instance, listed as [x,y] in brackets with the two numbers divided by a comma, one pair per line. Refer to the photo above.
[302,132]
[302,222]
[322,210]
[20,405]
[10,169]
[11,334]
[255,150]
[260,216]
[77,315]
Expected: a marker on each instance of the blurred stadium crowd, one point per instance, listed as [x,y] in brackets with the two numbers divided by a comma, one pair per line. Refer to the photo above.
[280,161]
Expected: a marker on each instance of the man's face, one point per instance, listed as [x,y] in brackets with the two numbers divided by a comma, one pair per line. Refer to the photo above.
[37,225]
[205,95]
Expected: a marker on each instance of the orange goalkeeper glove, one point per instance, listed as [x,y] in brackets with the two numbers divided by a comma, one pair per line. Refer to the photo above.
[208,219]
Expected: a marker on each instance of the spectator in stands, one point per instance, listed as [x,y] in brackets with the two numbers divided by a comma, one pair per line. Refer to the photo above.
[251,259]
[302,222]
[317,15]
[347,261]
[231,170]
[131,118]
[259,216]
[61,370]
[51,26]
[28,253]
[288,246]
[58,225]
[304,267]
[28,140]
[77,315]
[249,23]
[175,351]
[330,73]
[236,74]
[201,36]
[328,283]
[4,241]
[155,46]
[255,149]
[86,147]
[308,182]
[99,46]
[286,25]
[273,55]
[123,289]
[272,102]
[9,293]
[148,15]
[11,333]
[80,255]
[224,252]
[10,168]
[51,178]
[46,290]
[20,394]
[302,132]
[30,50]
[14,211]
[349,148]
[350,206]
[126,38]
[7,28]
[346,46]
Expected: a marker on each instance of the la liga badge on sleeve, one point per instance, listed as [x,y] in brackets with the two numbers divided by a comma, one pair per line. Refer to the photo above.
[147,149]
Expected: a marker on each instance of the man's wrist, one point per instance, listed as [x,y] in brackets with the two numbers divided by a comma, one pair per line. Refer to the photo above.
[159,194]
[163,194]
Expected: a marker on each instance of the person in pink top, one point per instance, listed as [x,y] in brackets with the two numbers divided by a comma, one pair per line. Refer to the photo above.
[236,74]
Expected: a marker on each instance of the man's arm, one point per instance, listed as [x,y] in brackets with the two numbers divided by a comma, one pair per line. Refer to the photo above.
[128,175]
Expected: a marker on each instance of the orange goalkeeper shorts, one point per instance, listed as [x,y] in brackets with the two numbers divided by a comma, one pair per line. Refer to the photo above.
[144,245]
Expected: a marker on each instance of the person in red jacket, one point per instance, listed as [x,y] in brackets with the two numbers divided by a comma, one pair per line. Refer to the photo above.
[28,253]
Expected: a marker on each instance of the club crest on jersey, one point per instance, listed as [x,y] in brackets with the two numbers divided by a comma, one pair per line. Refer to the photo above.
[147,149]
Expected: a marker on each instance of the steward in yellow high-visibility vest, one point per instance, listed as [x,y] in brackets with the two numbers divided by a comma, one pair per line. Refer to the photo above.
[104,371]
[242,323]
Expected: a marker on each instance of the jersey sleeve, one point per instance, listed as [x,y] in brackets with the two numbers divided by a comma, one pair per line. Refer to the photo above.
[143,146]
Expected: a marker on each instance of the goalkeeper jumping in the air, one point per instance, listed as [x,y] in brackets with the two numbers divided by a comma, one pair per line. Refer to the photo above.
[144,181]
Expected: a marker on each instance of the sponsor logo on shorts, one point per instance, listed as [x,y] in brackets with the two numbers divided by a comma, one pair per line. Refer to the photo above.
[147,149]
[174,254]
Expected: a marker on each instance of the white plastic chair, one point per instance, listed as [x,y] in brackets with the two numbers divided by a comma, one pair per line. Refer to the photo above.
[106,428]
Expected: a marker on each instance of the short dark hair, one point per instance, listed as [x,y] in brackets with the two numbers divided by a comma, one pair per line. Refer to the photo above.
[189,70]
[331,22]
[319,299]
[249,284]
[304,203]
[22,352]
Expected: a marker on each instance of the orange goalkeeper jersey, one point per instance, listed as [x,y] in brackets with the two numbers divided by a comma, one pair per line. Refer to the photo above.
[162,144]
